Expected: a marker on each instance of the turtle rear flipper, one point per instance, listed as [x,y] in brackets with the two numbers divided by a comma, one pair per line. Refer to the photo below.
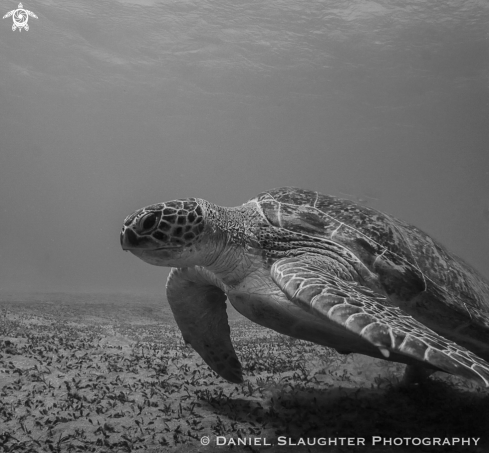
[369,315]
[199,308]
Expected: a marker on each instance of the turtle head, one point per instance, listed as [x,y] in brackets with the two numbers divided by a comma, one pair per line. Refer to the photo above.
[167,234]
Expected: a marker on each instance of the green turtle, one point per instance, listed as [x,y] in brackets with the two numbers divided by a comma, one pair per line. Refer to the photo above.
[318,268]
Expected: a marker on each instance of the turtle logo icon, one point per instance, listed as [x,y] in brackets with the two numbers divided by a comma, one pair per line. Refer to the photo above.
[20,17]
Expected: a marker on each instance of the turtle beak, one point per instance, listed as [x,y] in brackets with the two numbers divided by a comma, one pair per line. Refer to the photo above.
[131,242]
[122,240]
[129,239]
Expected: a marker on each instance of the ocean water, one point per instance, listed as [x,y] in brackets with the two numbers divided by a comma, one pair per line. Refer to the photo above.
[109,106]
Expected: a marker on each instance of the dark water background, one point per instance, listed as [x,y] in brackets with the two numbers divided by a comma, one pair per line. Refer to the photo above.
[109,106]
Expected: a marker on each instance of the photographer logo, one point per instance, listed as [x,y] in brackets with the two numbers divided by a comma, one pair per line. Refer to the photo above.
[20,17]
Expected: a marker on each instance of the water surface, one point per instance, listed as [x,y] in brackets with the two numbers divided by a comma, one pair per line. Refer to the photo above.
[109,106]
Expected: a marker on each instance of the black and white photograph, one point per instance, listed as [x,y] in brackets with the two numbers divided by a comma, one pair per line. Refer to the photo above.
[244,226]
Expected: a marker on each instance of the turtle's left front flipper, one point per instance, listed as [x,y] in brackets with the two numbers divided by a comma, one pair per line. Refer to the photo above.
[199,308]
[305,280]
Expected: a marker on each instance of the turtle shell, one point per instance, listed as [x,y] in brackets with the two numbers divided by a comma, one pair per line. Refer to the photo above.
[407,261]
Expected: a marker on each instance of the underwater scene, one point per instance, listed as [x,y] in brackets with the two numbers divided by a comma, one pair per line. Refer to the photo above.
[316,174]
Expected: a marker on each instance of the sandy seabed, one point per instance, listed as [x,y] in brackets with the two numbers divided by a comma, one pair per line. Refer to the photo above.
[110,373]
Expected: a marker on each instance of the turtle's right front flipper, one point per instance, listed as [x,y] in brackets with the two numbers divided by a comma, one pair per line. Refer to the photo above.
[368,315]
[199,308]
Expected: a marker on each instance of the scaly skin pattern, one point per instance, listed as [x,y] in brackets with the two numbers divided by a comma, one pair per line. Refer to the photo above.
[318,268]
[370,316]
[392,257]
[179,222]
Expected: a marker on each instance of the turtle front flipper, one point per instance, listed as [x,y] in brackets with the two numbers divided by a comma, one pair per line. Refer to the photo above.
[368,315]
[199,308]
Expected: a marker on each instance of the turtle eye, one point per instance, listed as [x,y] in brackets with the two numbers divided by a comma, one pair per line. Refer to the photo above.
[147,222]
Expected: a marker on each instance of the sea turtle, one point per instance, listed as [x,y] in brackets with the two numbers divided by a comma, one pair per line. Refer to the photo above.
[321,269]
[20,17]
